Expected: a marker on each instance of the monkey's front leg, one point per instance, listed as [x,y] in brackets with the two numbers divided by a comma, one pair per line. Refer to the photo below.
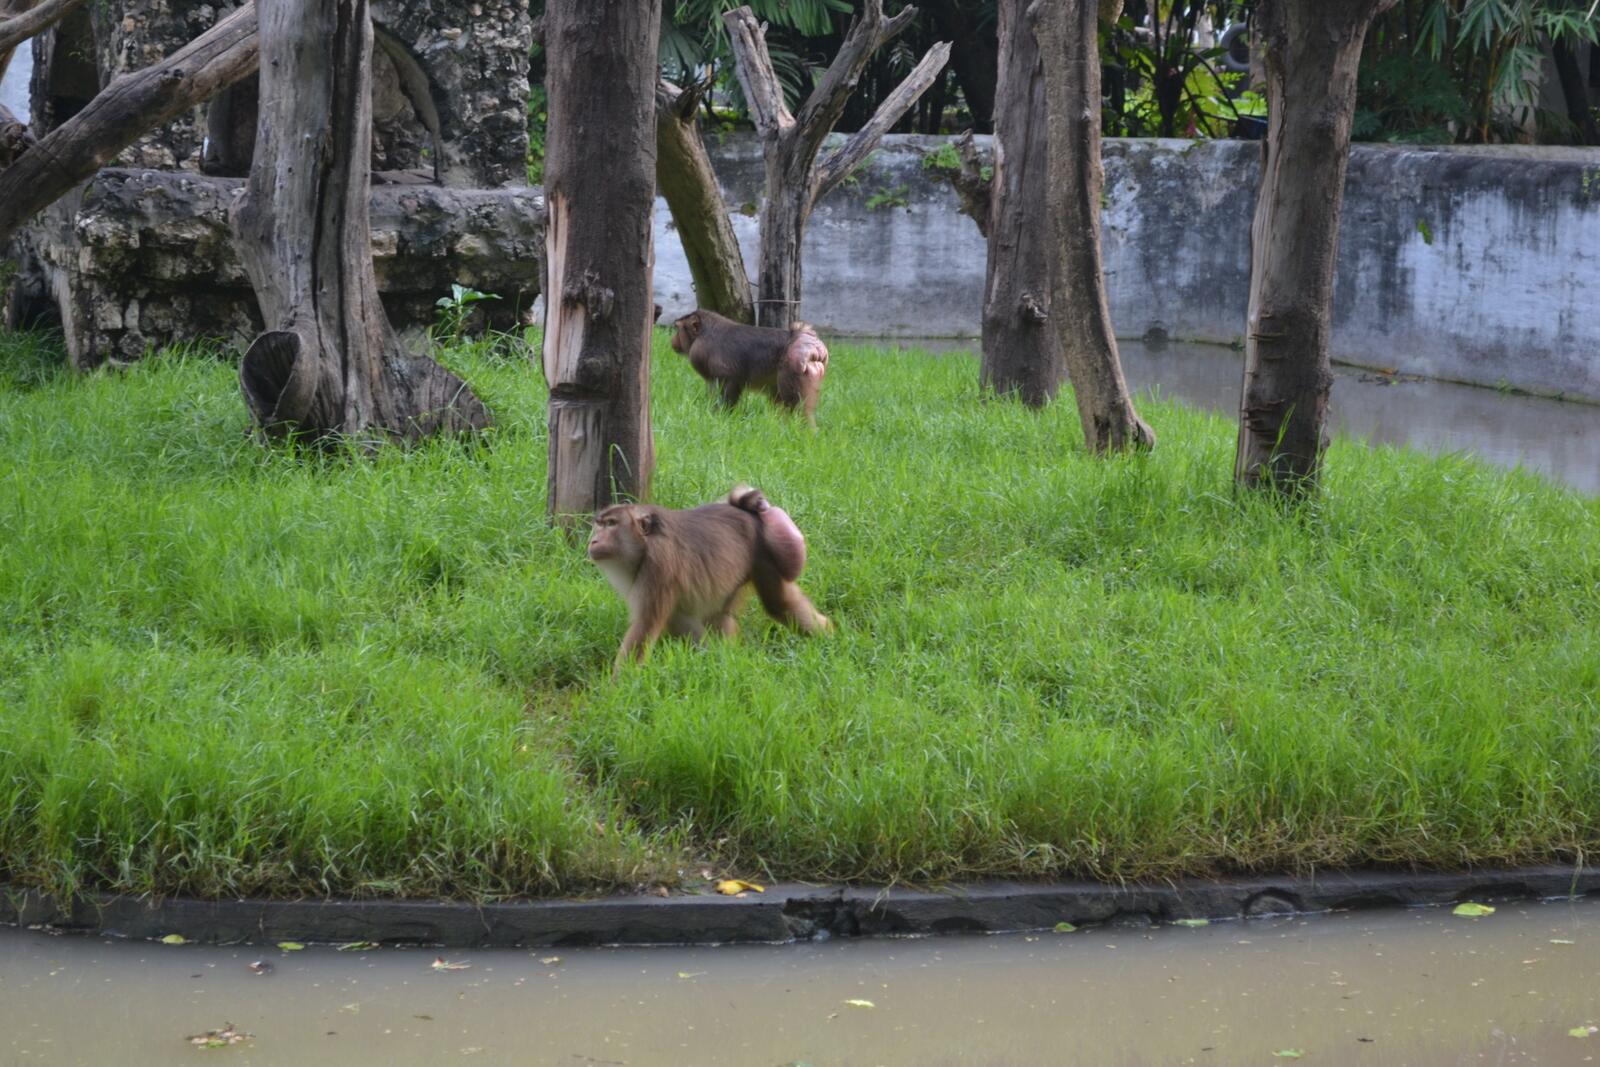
[647,620]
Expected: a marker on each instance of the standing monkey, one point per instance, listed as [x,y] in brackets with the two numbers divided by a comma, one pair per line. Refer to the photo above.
[686,571]
[787,365]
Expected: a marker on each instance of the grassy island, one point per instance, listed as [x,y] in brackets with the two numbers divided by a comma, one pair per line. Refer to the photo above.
[230,669]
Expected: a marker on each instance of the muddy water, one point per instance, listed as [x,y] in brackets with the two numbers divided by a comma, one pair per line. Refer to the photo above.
[1419,987]
[1557,438]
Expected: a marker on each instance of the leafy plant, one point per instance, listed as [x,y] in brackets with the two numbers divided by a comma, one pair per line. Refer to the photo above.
[695,45]
[538,120]
[453,312]
[890,197]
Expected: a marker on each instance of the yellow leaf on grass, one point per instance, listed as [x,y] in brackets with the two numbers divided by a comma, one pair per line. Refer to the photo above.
[730,886]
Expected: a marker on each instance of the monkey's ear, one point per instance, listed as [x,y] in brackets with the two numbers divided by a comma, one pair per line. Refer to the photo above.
[649,523]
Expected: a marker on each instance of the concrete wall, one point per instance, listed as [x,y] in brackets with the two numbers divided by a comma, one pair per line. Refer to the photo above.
[1471,264]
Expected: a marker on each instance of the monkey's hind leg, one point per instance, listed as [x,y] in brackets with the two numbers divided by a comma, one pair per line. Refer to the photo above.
[726,622]
[797,391]
[784,601]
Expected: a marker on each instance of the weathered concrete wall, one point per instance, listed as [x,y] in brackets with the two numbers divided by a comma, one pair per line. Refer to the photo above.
[1477,265]
[142,258]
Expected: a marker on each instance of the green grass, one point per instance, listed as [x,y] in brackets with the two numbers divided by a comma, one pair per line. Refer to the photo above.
[234,669]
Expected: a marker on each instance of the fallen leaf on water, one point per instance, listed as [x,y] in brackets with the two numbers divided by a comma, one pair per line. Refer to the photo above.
[1064,928]
[424,1018]
[1289,1053]
[550,961]
[1192,922]
[260,967]
[358,946]
[441,964]
[690,974]
[1561,941]
[290,946]
[858,1003]
[1582,1031]
[218,1038]
[1473,910]
[176,939]
[730,886]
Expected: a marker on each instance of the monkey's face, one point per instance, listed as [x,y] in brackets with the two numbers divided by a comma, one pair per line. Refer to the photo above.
[619,534]
[684,331]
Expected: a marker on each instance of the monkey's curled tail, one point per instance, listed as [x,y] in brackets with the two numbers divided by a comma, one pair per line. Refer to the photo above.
[806,355]
[781,536]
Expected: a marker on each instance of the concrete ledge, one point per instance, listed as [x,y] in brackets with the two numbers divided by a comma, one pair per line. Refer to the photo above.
[783,913]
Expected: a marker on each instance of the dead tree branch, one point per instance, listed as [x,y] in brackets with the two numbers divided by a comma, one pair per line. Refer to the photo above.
[122,112]
[34,21]
[790,143]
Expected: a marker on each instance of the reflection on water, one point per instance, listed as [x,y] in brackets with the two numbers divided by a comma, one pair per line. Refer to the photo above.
[1558,438]
[1421,987]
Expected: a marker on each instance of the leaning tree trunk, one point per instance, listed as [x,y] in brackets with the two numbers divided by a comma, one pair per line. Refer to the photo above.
[600,173]
[1079,314]
[329,363]
[23,19]
[1312,50]
[1021,353]
[121,114]
[686,180]
[790,144]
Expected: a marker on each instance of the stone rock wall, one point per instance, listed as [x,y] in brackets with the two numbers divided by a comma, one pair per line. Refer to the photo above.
[475,53]
[450,82]
[137,259]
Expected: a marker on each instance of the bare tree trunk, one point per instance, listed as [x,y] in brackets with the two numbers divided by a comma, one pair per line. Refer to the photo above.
[790,144]
[600,173]
[121,113]
[1021,353]
[329,361]
[685,178]
[1079,314]
[1312,50]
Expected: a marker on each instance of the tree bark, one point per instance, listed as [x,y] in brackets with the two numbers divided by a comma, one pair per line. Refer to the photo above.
[1078,312]
[685,178]
[1312,49]
[974,191]
[121,113]
[1021,354]
[790,143]
[600,172]
[329,363]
